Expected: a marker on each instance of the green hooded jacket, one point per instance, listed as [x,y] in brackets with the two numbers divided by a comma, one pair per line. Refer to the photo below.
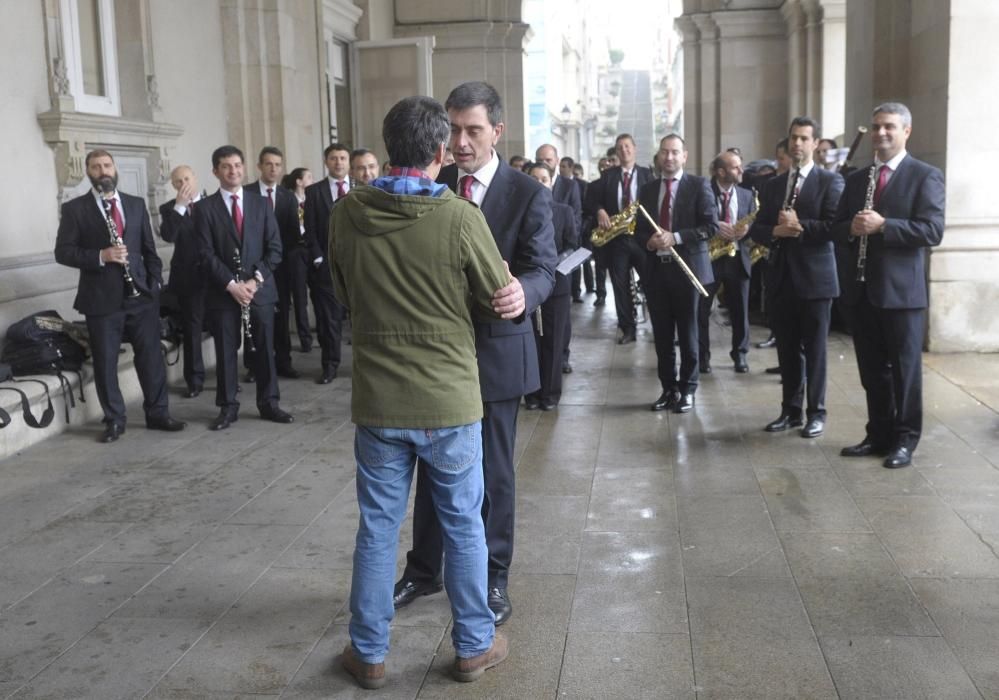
[413,270]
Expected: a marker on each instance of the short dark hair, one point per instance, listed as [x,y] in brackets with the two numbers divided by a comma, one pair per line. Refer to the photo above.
[96,153]
[805,121]
[673,135]
[413,130]
[358,152]
[334,147]
[225,152]
[270,151]
[473,94]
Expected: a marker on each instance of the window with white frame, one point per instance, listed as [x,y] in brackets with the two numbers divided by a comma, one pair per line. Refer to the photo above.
[91,59]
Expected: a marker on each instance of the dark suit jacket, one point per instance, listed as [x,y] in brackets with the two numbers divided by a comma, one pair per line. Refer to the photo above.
[318,206]
[518,210]
[695,218]
[185,265]
[286,213]
[602,193]
[83,232]
[808,260]
[260,249]
[566,239]
[566,192]
[744,198]
[913,206]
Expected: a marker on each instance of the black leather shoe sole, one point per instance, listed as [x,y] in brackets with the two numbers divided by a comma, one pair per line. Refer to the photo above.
[408,591]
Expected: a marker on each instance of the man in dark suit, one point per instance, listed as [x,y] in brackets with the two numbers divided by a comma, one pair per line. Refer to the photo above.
[104,294]
[552,333]
[688,218]
[518,211]
[733,203]
[284,204]
[186,282]
[238,221]
[617,188]
[795,220]
[319,200]
[889,304]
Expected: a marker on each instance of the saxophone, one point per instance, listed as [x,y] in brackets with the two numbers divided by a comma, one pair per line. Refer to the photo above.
[718,247]
[872,181]
[621,224]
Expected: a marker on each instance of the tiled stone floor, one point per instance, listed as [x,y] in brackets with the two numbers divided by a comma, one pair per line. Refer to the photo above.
[658,556]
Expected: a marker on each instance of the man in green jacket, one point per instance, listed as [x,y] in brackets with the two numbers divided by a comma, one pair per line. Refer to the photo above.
[414,263]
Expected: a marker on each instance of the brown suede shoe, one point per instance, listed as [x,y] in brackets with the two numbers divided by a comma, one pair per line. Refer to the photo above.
[468,670]
[368,676]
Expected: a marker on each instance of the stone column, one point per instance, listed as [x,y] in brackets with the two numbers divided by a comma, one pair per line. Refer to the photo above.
[480,41]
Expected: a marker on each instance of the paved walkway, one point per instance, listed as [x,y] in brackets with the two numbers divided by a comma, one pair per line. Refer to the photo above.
[658,556]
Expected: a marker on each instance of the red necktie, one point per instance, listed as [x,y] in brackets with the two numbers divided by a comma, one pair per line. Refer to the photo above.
[119,224]
[726,213]
[466,186]
[341,190]
[625,190]
[270,196]
[664,212]
[237,216]
[883,174]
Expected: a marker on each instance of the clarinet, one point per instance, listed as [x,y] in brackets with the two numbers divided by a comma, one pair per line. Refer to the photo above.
[116,241]
[244,311]
[872,181]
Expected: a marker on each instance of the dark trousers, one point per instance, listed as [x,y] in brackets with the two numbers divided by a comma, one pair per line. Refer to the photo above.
[552,346]
[329,314]
[192,313]
[138,323]
[291,278]
[889,344]
[672,302]
[227,330]
[620,255]
[499,430]
[737,301]
[801,327]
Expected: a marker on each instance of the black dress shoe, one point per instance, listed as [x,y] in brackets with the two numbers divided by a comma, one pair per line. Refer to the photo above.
[328,375]
[626,337]
[783,423]
[865,448]
[899,457]
[276,415]
[741,366]
[192,392]
[165,423]
[666,400]
[306,345]
[773,370]
[768,343]
[112,432]
[408,591]
[813,428]
[223,420]
[704,367]
[289,373]
[499,603]
[566,368]
[684,404]
[249,377]
[600,301]
[531,403]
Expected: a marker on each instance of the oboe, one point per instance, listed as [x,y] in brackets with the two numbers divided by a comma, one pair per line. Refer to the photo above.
[872,182]
[116,241]
[244,311]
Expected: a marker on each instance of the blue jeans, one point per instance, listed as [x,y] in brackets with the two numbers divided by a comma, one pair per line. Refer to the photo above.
[386,458]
